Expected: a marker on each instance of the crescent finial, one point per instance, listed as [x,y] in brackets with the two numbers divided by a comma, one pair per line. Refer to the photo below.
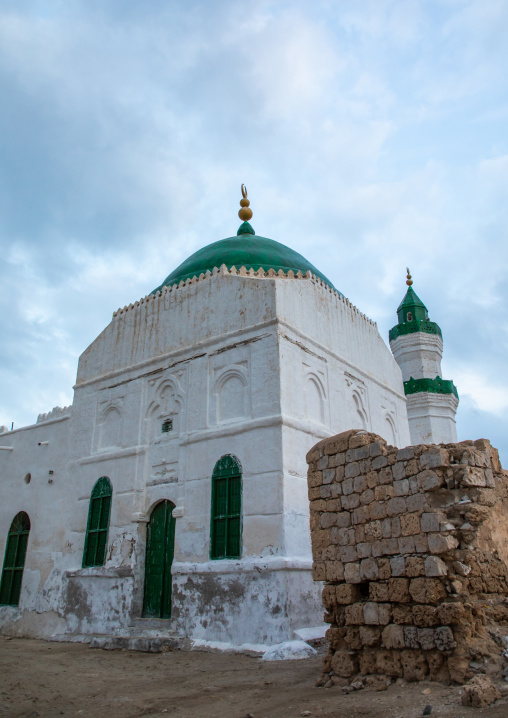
[245,213]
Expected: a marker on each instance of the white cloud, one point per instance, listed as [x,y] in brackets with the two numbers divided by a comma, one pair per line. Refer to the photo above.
[487,395]
[370,137]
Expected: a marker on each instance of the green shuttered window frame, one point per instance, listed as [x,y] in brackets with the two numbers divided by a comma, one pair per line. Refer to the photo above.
[96,539]
[226,518]
[14,560]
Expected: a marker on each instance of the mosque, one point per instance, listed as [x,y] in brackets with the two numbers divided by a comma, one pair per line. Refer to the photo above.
[172,495]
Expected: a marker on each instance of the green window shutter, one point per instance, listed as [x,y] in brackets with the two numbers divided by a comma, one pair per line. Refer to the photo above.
[95,512]
[226,516]
[105,510]
[233,548]
[91,549]
[96,539]
[221,497]
[6,588]
[14,561]
[235,495]
[234,504]
[11,550]
[219,538]
[21,552]
[17,578]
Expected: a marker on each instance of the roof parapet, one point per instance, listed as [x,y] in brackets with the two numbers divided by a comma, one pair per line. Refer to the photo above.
[251,273]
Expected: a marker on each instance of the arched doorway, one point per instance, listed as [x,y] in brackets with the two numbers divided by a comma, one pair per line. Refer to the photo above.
[14,561]
[160,548]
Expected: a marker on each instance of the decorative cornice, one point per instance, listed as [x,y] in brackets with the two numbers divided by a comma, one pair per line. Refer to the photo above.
[248,273]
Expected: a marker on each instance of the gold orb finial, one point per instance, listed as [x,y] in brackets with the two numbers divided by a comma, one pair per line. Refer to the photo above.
[244,213]
[409,281]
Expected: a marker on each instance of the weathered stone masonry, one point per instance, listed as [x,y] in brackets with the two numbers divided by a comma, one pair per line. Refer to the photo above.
[413,546]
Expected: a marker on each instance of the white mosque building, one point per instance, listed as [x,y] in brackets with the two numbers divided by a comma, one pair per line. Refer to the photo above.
[172,494]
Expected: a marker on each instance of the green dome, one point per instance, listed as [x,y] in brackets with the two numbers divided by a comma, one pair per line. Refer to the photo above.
[245,250]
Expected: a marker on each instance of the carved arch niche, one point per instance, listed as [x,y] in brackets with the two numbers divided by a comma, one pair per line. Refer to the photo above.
[165,412]
[109,423]
[315,395]
[231,393]
[389,431]
[358,403]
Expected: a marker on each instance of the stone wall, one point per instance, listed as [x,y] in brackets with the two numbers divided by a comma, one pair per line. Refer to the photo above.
[413,547]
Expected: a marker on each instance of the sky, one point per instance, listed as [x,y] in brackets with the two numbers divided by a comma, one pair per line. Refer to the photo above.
[371,134]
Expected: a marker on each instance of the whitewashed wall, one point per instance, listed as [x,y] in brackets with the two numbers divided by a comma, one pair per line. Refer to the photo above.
[257,367]
[38,450]
[418,354]
[431,416]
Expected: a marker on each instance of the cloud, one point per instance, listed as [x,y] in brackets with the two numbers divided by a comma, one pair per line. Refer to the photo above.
[483,395]
[371,136]
[472,423]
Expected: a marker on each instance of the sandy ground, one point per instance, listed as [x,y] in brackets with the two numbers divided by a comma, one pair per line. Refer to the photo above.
[38,678]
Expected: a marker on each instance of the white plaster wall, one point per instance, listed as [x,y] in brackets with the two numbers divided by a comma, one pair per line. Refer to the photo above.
[260,368]
[361,383]
[329,347]
[432,418]
[146,466]
[333,323]
[178,320]
[37,450]
[418,355]
[251,601]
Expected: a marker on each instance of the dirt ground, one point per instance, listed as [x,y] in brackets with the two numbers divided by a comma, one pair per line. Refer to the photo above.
[44,679]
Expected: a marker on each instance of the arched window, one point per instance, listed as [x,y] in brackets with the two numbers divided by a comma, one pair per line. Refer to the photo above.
[14,561]
[226,522]
[96,539]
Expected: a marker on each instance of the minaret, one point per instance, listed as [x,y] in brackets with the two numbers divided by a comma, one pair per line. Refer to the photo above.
[417,345]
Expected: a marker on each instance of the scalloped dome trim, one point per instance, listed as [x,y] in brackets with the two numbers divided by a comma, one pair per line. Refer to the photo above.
[243,272]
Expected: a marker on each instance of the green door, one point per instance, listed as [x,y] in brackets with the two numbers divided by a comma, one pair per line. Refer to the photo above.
[160,547]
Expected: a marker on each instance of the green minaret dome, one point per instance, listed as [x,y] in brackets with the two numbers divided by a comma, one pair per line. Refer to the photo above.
[246,249]
[413,315]
[412,305]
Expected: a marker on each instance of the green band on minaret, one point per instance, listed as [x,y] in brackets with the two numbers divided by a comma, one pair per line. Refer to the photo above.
[431,386]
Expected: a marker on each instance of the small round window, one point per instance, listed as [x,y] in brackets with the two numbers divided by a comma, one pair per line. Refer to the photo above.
[28,478]
[409,317]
